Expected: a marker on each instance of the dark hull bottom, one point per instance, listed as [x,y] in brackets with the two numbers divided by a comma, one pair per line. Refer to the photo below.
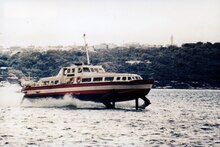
[108,99]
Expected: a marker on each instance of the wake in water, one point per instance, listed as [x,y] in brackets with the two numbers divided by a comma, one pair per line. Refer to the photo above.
[11,95]
[66,102]
[69,102]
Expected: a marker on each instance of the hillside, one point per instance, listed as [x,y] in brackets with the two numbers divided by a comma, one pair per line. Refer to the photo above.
[191,65]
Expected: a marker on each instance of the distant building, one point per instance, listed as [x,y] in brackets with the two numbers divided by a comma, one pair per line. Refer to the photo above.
[101,46]
[3,73]
[104,46]
[151,46]
[131,45]
[112,45]
[133,62]
[171,40]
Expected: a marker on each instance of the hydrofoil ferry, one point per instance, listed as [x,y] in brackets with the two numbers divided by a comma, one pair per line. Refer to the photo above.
[89,82]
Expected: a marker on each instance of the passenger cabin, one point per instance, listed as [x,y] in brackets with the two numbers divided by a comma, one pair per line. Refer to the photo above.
[76,74]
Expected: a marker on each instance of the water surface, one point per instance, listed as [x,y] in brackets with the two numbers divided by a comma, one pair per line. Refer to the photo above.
[175,118]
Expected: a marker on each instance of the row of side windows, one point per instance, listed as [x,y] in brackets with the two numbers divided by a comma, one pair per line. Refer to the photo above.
[51,82]
[109,79]
[67,71]
[71,71]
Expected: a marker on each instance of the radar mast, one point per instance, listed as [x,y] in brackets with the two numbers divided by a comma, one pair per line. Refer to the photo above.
[86,48]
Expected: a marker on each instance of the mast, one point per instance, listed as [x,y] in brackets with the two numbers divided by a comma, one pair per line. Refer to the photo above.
[86,48]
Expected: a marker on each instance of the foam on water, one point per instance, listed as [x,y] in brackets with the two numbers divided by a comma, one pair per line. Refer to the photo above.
[66,101]
[10,95]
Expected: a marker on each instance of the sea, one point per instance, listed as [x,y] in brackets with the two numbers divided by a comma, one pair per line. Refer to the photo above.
[175,118]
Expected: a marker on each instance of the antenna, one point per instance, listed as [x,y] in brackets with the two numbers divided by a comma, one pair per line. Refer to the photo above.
[86,48]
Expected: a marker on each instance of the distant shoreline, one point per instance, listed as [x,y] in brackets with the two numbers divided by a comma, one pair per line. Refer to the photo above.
[185,85]
[191,66]
[192,88]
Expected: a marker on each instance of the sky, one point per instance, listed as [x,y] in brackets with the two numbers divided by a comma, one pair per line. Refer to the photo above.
[63,22]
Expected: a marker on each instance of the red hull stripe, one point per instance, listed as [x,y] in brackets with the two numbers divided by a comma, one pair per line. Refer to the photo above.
[136,82]
[90,88]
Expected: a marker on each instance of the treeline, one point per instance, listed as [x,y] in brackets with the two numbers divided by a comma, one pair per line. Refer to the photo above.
[191,65]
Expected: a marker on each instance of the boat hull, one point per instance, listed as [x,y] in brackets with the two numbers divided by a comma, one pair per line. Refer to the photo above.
[97,92]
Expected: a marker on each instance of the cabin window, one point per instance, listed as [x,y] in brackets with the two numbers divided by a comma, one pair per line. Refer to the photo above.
[97,79]
[70,75]
[138,78]
[68,70]
[46,82]
[118,78]
[100,70]
[129,78]
[92,69]
[64,71]
[79,70]
[73,70]
[109,78]
[56,82]
[124,78]
[86,80]
[86,69]
[96,70]
[51,82]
